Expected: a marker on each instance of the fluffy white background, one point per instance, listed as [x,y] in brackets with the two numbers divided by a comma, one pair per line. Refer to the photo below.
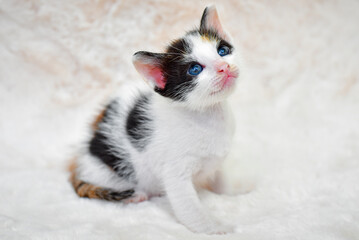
[297,111]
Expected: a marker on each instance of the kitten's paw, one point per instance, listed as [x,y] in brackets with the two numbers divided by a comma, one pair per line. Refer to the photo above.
[136,198]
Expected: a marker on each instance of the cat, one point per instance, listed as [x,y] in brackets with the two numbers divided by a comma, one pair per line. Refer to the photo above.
[170,138]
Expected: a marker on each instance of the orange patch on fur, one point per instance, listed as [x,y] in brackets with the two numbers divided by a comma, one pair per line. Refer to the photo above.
[205,38]
[207,186]
[82,188]
[72,166]
[98,120]
[88,190]
[91,192]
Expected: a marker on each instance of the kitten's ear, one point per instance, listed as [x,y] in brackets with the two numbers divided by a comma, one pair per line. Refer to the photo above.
[149,66]
[210,20]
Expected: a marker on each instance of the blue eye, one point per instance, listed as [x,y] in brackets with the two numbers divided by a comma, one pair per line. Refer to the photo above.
[195,69]
[223,51]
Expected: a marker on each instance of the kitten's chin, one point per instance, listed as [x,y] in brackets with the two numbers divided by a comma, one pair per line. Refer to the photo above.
[219,93]
[226,88]
[218,96]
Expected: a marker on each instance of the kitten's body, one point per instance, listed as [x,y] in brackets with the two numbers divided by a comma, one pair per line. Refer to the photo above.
[169,141]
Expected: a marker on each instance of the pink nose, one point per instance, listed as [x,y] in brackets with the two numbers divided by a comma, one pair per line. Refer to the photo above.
[223,67]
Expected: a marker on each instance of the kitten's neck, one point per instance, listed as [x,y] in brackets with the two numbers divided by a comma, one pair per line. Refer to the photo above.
[185,107]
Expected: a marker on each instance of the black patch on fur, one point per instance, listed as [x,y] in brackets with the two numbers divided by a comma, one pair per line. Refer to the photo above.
[175,66]
[100,147]
[111,195]
[123,195]
[137,123]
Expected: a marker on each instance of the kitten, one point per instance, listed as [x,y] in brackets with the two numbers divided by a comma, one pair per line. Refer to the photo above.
[169,139]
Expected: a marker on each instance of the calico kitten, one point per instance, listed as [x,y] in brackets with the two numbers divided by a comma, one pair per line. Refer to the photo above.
[171,139]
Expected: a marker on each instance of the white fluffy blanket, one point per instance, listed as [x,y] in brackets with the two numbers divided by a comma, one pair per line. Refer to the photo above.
[296,150]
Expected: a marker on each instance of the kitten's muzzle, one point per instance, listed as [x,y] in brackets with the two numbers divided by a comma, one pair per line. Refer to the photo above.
[223,67]
[227,76]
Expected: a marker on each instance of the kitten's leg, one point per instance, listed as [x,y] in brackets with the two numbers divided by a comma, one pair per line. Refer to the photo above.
[187,207]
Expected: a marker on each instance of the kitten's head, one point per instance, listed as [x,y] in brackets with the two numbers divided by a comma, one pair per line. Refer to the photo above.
[197,70]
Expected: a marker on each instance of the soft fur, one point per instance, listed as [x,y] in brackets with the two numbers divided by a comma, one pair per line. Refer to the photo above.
[171,140]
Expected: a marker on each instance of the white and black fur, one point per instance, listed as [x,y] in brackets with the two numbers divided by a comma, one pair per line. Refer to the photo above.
[169,139]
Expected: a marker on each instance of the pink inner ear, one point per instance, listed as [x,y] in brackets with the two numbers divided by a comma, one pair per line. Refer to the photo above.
[213,22]
[156,74]
[151,72]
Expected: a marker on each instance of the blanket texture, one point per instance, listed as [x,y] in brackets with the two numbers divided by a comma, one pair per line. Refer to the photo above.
[295,155]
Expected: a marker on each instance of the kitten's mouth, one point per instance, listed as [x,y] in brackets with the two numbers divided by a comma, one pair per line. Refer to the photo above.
[226,82]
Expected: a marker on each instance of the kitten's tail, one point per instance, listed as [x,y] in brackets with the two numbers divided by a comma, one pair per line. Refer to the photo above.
[88,190]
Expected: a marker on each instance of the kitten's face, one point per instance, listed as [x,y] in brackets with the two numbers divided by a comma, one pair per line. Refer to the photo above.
[197,70]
